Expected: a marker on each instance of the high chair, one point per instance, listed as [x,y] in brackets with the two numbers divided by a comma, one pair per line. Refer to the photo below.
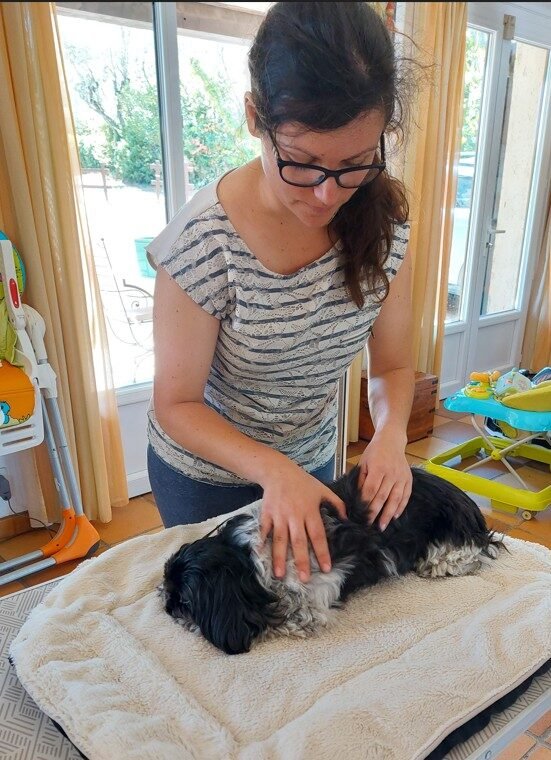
[529,425]
[40,421]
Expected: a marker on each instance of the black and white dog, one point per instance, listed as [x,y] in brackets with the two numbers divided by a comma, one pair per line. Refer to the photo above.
[222,585]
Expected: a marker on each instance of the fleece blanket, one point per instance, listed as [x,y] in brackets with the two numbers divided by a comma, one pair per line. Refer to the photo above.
[397,669]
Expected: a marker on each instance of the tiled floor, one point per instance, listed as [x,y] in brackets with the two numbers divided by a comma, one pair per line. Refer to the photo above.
[141,516]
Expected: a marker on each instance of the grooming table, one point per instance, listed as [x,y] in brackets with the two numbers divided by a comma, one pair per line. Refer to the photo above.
[26,732]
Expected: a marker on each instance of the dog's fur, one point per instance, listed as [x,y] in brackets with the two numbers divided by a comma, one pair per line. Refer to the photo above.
[223,585]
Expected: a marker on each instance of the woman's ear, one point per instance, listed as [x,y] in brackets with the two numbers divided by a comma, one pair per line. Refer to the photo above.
[250,114]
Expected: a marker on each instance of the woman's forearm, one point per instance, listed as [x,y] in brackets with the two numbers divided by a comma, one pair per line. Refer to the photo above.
[204,432]
[390,397]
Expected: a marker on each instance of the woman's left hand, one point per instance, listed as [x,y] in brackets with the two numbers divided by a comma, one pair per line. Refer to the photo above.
[385,478]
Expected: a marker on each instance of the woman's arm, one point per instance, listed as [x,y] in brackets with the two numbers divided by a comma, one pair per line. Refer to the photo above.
[185,338]
[391,382]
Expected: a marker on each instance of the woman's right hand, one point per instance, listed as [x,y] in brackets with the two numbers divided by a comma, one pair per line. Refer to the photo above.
[291,511]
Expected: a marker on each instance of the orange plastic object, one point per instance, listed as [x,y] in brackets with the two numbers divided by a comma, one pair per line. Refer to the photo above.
[16,395]
[485,377]
[86,538]
[63,535]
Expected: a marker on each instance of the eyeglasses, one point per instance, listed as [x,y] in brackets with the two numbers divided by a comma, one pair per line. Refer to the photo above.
[311,175]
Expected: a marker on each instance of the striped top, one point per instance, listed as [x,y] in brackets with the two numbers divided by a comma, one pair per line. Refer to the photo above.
[284,342]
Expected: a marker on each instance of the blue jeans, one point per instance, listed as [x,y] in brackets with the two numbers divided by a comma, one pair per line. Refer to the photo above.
[181,500]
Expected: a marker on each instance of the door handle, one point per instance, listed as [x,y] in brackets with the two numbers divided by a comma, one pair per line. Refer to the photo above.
[491,234]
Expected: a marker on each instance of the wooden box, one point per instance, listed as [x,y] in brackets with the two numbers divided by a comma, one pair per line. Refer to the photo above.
[422,413]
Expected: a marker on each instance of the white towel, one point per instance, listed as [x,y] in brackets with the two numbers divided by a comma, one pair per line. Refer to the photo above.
[399,667]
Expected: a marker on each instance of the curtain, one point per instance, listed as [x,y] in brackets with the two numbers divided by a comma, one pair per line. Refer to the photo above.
[42,212]
[431,153]
[536,347]
[387,12]
[426,166]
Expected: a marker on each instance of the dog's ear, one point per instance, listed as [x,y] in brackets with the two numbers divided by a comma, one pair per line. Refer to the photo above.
[236,608]
[178,596]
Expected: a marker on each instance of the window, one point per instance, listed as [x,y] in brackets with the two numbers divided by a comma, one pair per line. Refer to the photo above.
[109,52]
[476,53]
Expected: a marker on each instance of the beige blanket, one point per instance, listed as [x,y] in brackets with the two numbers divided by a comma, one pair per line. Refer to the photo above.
[401,666]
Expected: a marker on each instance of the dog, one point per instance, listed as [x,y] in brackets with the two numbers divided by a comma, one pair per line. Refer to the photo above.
[222,585]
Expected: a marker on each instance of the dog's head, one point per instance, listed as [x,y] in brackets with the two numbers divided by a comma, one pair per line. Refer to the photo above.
[213,583]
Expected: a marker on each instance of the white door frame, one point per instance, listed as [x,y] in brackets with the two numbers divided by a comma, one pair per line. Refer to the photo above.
[207,20]
[461,337]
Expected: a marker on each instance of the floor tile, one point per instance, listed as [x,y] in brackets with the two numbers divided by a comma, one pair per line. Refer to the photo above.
[443,412]
[455,432]
[539,527]
[439,420]
[541,726]
[534,537]
[428,447]
[488,470]
[155,530]
[138,516]
[414,460]
[11,588]
[536,480]
[517,749]
[57,571]
[541,466]
[541,753]
[24,543]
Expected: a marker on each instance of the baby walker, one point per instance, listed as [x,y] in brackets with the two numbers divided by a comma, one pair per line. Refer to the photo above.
[29,414]
[521,409]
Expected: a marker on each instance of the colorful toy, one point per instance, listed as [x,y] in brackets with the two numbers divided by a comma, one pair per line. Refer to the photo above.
[521,409]
[537,398]
[541,376]
[29,414]
[16,395]
[510,383]
[20,272]
[482,384]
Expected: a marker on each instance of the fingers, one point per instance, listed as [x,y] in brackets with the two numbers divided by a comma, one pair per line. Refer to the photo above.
[388,502]
[266,524]
[391,505]
[337,503]
[280,540]
[318,539]
[299,544]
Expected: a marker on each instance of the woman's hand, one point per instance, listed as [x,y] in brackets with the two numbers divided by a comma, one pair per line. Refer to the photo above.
[385,478]
[291,510]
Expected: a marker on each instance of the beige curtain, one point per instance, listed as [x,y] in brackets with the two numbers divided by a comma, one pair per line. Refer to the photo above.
[42,212]
[439,29]
[387,12]
[536,347]
[430,152]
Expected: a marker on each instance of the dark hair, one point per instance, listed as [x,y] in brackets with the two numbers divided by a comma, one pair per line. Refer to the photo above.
[322,65]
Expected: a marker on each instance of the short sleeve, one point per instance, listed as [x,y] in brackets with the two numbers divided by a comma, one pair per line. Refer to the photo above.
[194,249]
[400,240]
[197,261]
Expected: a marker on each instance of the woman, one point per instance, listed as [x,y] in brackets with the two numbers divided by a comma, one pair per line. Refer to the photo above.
[270,281]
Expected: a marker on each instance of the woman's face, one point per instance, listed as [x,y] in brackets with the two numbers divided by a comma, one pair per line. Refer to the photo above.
[353,144]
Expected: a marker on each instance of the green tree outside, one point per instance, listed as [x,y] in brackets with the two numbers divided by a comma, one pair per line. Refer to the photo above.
[214,134]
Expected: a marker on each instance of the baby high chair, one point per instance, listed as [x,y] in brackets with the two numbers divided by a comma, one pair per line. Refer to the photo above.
[28,401]
[521,409]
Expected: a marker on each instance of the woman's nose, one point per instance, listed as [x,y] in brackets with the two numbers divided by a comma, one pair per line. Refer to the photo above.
[328,192]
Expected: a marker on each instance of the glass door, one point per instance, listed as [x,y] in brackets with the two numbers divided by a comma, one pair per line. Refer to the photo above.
[157,94]
[501,173]
[510,218]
